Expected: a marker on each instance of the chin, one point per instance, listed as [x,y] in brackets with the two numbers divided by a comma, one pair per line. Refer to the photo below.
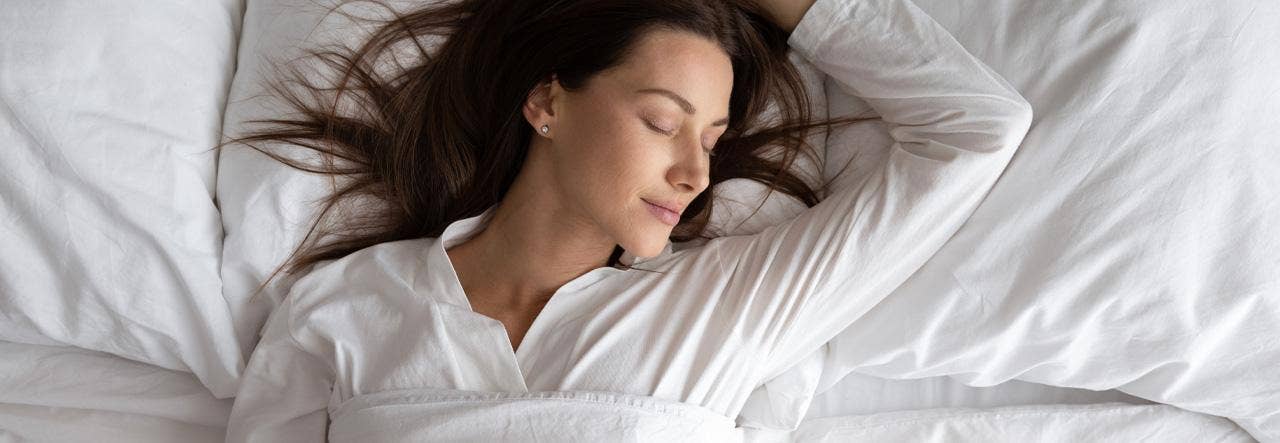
[645,240]
[652,251]
[648,248]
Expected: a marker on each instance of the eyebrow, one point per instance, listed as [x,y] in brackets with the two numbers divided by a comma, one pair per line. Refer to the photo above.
[684,104]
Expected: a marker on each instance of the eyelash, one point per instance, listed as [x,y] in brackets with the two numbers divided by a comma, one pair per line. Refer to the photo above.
[709,152]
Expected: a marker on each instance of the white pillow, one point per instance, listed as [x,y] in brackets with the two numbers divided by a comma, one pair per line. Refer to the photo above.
[1132,242]
[267,207]
[110,236]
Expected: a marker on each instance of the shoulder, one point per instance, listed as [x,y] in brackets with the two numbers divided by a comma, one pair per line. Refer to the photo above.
[384,269]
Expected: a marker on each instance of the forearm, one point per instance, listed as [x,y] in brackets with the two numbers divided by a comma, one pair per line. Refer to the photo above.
[785,13]
[906,66]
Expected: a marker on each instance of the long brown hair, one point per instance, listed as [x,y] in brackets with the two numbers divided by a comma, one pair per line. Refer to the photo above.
[442,138]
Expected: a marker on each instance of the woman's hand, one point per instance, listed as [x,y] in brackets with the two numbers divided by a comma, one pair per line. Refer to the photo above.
[785,13]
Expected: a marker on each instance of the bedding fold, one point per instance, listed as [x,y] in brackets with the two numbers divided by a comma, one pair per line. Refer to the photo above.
[454,415]
[1082,423]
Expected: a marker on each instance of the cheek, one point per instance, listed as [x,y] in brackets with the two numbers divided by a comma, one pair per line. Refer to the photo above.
[618,167]
[606,148]
[589,163]
[609,160]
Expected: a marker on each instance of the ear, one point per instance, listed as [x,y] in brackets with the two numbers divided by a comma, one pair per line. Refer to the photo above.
[540,106]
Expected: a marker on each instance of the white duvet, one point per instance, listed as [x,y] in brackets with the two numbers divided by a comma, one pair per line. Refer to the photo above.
[446,415]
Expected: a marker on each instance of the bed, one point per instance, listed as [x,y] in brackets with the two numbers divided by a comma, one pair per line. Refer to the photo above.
[1120,281]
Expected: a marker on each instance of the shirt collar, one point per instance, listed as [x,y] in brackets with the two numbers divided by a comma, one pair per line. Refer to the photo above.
[462,230]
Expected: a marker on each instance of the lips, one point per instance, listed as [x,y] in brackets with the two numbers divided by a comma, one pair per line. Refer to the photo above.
[670,206]
[662,213]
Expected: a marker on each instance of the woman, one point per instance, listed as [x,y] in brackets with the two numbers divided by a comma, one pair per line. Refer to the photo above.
[489,296]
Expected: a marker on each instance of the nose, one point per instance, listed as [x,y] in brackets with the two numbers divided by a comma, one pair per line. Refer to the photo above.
[692,169]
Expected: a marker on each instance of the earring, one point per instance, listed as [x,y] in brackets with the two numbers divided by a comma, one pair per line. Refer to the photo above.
[545,128]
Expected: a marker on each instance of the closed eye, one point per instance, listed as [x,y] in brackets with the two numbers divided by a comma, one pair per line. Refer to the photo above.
[655,128]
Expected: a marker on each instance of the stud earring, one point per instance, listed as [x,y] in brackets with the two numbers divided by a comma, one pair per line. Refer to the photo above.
[545,128]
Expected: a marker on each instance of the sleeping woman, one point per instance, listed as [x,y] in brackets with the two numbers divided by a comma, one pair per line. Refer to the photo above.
[497,262]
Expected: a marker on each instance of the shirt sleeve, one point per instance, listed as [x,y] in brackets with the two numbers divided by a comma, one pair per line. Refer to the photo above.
[955,125]
[285,390]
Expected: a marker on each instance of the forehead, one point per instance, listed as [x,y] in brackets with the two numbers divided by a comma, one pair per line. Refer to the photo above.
[691,65]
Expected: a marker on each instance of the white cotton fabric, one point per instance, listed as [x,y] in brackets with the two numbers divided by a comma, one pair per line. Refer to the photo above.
[717,321]
[66,393]
[890,395]
[109,236]
[1108,422]
[431,414]
[1129,244]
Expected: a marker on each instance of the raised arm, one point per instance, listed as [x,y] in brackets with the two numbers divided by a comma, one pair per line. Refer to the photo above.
[785,13]
[956,124]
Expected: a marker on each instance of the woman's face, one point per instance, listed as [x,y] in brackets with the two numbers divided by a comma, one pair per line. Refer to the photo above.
[638,135]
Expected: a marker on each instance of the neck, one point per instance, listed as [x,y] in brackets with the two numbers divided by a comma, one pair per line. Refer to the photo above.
[533,244]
